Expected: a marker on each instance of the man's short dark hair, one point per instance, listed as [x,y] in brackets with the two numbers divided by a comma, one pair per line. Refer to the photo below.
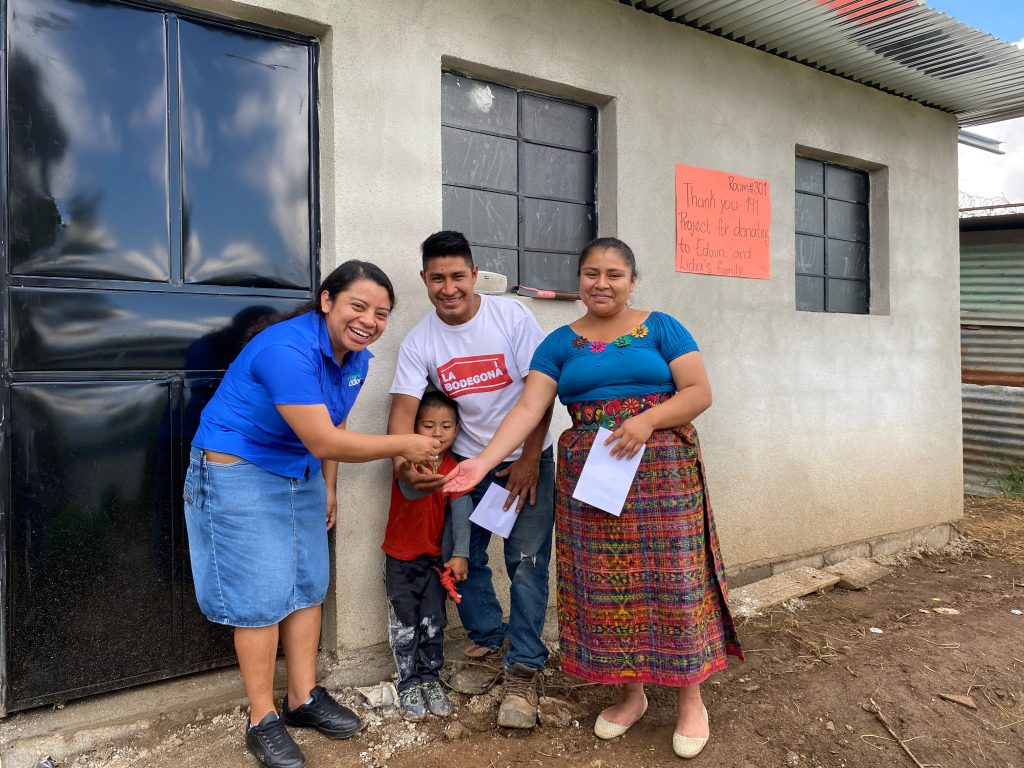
[446,243]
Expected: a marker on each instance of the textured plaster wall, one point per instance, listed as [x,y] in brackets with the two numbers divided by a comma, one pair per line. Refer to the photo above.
[825,428]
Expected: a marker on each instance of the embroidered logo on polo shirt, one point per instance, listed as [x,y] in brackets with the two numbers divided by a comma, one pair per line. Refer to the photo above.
[470,375]
[353,379]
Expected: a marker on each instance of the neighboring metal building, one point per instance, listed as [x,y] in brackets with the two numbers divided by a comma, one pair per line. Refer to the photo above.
[992,348]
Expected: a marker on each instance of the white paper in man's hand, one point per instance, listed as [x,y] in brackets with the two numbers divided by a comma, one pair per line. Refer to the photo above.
[490,515]
[605,481]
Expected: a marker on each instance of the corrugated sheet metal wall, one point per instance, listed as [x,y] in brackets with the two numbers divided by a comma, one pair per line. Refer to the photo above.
[992,353]
[992,276]
[993,436]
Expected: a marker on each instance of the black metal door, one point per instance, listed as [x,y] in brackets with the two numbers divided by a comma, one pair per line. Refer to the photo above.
[159,197]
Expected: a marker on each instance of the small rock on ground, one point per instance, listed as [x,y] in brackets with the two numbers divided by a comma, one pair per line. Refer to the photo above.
[455,730]
[555,713]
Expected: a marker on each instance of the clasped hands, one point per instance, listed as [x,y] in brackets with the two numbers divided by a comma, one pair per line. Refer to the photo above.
[629,437]
[522,477]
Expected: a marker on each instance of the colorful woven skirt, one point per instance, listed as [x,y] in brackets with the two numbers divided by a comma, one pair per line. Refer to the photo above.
[641,597]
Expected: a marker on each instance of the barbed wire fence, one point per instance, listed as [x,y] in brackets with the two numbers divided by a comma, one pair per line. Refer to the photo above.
[977,205]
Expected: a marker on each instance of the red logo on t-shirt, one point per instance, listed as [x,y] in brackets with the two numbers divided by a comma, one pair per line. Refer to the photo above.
[470,375]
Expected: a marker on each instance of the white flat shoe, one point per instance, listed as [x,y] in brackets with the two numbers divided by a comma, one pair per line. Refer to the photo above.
[604,729]
[689,746]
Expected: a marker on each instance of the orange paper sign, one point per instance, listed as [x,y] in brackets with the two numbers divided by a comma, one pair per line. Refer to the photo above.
[722,223]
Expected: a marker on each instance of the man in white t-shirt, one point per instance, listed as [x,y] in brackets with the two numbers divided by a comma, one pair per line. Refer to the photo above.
[477,349]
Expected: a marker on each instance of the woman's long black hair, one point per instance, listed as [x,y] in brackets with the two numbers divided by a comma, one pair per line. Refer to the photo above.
[339,280]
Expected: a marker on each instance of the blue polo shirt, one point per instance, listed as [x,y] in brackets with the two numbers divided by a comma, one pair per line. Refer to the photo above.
[289,363]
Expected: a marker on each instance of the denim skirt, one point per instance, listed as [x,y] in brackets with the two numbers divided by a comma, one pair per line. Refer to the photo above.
[257,541]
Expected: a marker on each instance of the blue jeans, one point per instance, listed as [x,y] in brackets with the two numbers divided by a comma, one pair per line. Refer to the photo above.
[527,554]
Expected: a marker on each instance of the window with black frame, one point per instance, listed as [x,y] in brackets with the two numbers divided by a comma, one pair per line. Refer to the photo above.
[519,176]
[832,238]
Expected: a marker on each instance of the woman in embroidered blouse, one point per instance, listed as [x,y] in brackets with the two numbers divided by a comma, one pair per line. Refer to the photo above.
[642,597]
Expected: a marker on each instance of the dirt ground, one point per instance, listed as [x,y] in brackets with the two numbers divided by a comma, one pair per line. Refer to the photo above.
[817,673]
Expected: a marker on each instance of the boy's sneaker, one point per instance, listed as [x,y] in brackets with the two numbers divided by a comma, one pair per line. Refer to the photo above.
[436,699]
[325,714]
[410,704]
[272,745]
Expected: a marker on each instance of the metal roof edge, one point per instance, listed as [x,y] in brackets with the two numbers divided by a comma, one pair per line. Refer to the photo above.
[901,47]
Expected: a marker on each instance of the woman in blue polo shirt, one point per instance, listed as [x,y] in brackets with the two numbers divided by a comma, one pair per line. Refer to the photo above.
[260,495]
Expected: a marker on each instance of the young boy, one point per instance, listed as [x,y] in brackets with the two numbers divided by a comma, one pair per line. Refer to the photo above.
[413,542]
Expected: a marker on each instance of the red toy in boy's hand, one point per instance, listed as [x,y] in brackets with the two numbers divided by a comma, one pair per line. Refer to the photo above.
[448,582]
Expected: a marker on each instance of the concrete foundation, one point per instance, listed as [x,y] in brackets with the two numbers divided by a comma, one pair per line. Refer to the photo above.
[929,536]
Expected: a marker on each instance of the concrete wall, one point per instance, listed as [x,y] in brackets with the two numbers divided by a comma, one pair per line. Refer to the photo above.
[826,428]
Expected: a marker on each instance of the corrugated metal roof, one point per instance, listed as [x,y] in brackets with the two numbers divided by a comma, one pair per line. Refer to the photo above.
[996,220]
[899,46]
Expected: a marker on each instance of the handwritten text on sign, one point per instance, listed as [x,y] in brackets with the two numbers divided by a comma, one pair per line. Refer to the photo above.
[722,223]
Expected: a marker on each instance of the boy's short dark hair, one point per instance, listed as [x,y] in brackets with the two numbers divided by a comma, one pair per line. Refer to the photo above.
[436,399]
[446,243]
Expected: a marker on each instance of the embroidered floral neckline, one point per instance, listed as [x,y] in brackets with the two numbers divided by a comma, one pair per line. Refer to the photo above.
[623,341]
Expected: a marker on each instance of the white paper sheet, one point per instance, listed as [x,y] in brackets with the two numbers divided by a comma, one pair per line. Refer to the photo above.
[605,481]
[490,515]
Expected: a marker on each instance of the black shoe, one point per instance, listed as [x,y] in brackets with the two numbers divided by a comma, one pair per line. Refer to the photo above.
[272,745]
[324,714]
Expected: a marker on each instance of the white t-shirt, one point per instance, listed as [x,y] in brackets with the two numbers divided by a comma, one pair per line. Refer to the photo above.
[480,364]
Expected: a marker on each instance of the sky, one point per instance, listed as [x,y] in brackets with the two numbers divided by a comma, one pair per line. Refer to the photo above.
[981,173]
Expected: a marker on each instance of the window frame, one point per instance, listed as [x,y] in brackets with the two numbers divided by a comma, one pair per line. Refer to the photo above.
[522,142]
[825,237]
